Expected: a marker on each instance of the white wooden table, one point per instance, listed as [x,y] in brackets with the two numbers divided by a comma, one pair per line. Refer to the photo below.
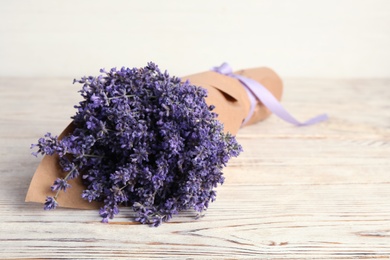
[296,192]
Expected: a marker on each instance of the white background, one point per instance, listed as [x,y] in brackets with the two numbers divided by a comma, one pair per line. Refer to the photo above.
[297,38]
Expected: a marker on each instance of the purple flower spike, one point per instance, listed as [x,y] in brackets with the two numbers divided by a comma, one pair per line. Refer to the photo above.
[60,184]
[50,203]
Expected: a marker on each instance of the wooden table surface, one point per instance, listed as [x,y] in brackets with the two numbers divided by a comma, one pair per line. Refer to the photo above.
[321,191]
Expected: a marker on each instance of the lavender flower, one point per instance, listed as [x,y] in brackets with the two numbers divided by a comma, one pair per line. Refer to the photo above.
[60,184]
[142,139]
[50,203]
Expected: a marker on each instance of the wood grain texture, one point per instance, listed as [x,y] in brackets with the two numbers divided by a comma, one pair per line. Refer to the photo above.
[318,192]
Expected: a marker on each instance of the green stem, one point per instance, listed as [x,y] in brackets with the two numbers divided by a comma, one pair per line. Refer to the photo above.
[92,156]
[110,98]
[123,187]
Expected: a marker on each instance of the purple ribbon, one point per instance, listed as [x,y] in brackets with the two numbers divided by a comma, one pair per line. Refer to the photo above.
[256,92]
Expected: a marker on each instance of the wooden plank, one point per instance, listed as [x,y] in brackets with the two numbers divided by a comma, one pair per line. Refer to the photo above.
[318,192]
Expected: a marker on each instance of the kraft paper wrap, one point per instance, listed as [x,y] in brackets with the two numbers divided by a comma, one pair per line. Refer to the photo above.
[231,103]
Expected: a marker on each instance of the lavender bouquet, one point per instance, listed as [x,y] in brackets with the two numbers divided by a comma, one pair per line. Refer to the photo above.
[142,139]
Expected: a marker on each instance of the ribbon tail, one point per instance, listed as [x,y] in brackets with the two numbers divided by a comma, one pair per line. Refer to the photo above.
[265,97]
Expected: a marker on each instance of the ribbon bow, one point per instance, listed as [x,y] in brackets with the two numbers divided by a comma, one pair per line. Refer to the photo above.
[257,92]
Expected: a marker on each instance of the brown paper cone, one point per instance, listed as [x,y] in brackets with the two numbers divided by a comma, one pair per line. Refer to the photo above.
[231,103]
[230,99]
